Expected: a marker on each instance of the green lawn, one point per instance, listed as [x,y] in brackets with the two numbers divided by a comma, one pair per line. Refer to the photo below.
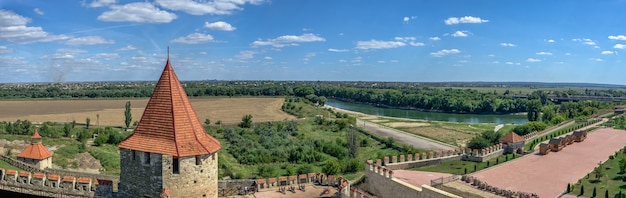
[459,167]
[6,166]
[612,180]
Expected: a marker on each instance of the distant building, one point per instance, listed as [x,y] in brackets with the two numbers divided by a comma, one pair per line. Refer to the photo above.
[512,143]
[36,154]
[169,154]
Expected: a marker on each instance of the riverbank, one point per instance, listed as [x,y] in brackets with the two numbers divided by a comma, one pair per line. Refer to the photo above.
[428,116]
[442,134]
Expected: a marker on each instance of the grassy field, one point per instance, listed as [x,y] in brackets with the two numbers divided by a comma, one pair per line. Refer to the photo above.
[228,110]
[6,166]
[454,133]
[612,179]
[464,167]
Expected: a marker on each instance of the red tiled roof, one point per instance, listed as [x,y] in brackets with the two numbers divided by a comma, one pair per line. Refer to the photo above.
[36,135]
[53,177]
[38,175]
[512,137]
[302,176]
[260,181]
[169,124]
[104,182]
[84,180]
[292,177]
[68,179]
[24,174]
[11,172]
[35,151]
[282,178]
[272,179]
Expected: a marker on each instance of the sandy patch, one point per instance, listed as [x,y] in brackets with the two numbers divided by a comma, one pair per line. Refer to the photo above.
[406,124]
[378,120]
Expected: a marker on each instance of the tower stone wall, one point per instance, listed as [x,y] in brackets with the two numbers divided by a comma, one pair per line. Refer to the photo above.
[192,180]
[139,179]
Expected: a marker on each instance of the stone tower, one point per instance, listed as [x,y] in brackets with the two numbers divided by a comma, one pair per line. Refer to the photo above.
[169,154]
[36,154]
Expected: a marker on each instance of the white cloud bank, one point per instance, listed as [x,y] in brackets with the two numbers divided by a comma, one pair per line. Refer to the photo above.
[288,40]
[220,25]
[465,19]
[141,12]
[193,38]
[445,52]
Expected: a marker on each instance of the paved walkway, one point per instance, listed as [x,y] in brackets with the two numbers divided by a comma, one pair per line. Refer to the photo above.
[311,191]
[418,178]
[548,175]
[413,140]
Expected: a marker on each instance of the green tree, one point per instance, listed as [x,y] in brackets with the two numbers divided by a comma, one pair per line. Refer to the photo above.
[593,194]
[266,171]
[332,167]
[305,169]
[582,190]
[353,142]
[569,188]
[322,100]
[246,121]
[599,171]
[622,165]
[87,122]
[67,129]
[533,107]
[207,122]
[128,116]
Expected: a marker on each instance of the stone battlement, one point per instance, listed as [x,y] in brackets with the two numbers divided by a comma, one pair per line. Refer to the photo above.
[53,185]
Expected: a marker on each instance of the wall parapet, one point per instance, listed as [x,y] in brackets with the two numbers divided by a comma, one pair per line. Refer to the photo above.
[52,185]
[495,190]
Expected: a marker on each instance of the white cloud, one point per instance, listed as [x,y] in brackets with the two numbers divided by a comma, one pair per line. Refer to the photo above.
[337,50]
[101,3]
[465,19]
[597,59]
[404,39]
[445,52]
[532,60]
[127,48]
[434,38]
[491,55]
[13,29]
[246,54]
[608,52]
[508,44]
[619,46]
[406,19]
[618,37]
[585,41]
[38,11]
[509,63]
[108,56]
[267,58]
[220,25]
[288,40]
[217,7]
[88,40]
[376,44]
[460,34]
[417,44]
[544,53]
[141,12]
[550,41]
[5,49]
[568,54]
[194,38]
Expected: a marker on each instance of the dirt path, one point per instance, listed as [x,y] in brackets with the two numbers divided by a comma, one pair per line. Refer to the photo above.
[412,140]
[403,137]
[498,127]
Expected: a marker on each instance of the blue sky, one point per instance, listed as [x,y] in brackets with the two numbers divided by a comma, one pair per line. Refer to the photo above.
[419,41]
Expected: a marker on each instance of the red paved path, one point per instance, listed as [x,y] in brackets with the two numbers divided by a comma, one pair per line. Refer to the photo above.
[417,178]
[548,175]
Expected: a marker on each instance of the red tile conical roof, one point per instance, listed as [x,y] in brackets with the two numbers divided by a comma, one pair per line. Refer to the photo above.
[36,135]
[35,151]
[169,124]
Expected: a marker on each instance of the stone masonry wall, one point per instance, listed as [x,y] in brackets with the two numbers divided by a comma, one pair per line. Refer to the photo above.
[381,183]
[138,179]
[192,180]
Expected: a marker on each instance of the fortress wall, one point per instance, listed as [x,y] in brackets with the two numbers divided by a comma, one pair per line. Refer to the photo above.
[381,182]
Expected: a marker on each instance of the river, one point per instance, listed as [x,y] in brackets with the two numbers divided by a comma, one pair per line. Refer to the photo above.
[414,114]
